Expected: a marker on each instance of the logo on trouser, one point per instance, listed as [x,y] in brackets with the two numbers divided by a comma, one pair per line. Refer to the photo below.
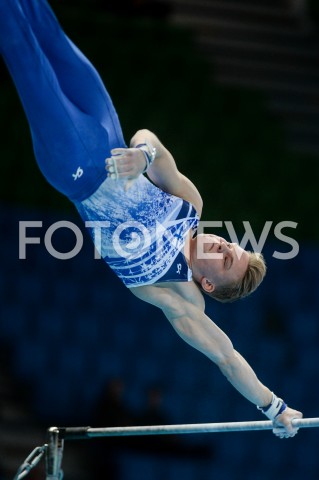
[77,174]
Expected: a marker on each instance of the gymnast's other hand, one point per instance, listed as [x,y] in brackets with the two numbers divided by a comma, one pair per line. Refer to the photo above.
[283,427]
[125,163]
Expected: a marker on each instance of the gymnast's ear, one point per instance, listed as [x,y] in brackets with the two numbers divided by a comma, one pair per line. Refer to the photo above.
[207,285]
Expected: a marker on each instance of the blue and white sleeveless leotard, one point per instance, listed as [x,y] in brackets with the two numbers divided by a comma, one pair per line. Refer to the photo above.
[145,231]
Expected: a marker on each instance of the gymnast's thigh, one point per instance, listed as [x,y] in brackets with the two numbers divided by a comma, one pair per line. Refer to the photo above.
[71,153]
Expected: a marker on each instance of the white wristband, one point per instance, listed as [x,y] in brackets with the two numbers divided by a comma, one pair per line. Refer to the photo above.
[275,408]
[149,153]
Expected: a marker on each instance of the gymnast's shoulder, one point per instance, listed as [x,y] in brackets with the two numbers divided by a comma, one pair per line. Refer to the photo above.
[171,295]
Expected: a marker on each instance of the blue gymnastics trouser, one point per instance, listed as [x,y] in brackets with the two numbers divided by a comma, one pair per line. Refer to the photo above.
[72,119]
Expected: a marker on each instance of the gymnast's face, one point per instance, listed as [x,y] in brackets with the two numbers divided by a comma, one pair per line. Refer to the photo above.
[216,262]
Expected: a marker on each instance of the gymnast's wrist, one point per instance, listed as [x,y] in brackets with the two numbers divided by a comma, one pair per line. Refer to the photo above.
[149,153]
[276,407]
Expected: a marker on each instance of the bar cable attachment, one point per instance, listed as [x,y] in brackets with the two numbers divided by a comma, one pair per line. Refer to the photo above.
[30,462]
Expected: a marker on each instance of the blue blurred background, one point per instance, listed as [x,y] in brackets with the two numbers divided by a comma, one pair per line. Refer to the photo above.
[231,88]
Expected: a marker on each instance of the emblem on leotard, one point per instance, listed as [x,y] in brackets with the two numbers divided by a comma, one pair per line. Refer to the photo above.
[77,174]
[179,268]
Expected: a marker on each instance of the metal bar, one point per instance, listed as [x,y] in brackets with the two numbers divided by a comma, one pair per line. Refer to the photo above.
[88,432]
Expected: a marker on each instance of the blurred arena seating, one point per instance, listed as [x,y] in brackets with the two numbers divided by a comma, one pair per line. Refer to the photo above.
[269,46]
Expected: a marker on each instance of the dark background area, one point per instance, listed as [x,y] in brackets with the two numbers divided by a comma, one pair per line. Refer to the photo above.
[77,347]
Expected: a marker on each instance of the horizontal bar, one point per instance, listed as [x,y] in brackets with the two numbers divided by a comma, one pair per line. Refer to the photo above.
[78,433]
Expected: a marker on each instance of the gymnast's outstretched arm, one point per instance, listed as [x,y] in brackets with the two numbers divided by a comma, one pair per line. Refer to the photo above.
[198,330]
